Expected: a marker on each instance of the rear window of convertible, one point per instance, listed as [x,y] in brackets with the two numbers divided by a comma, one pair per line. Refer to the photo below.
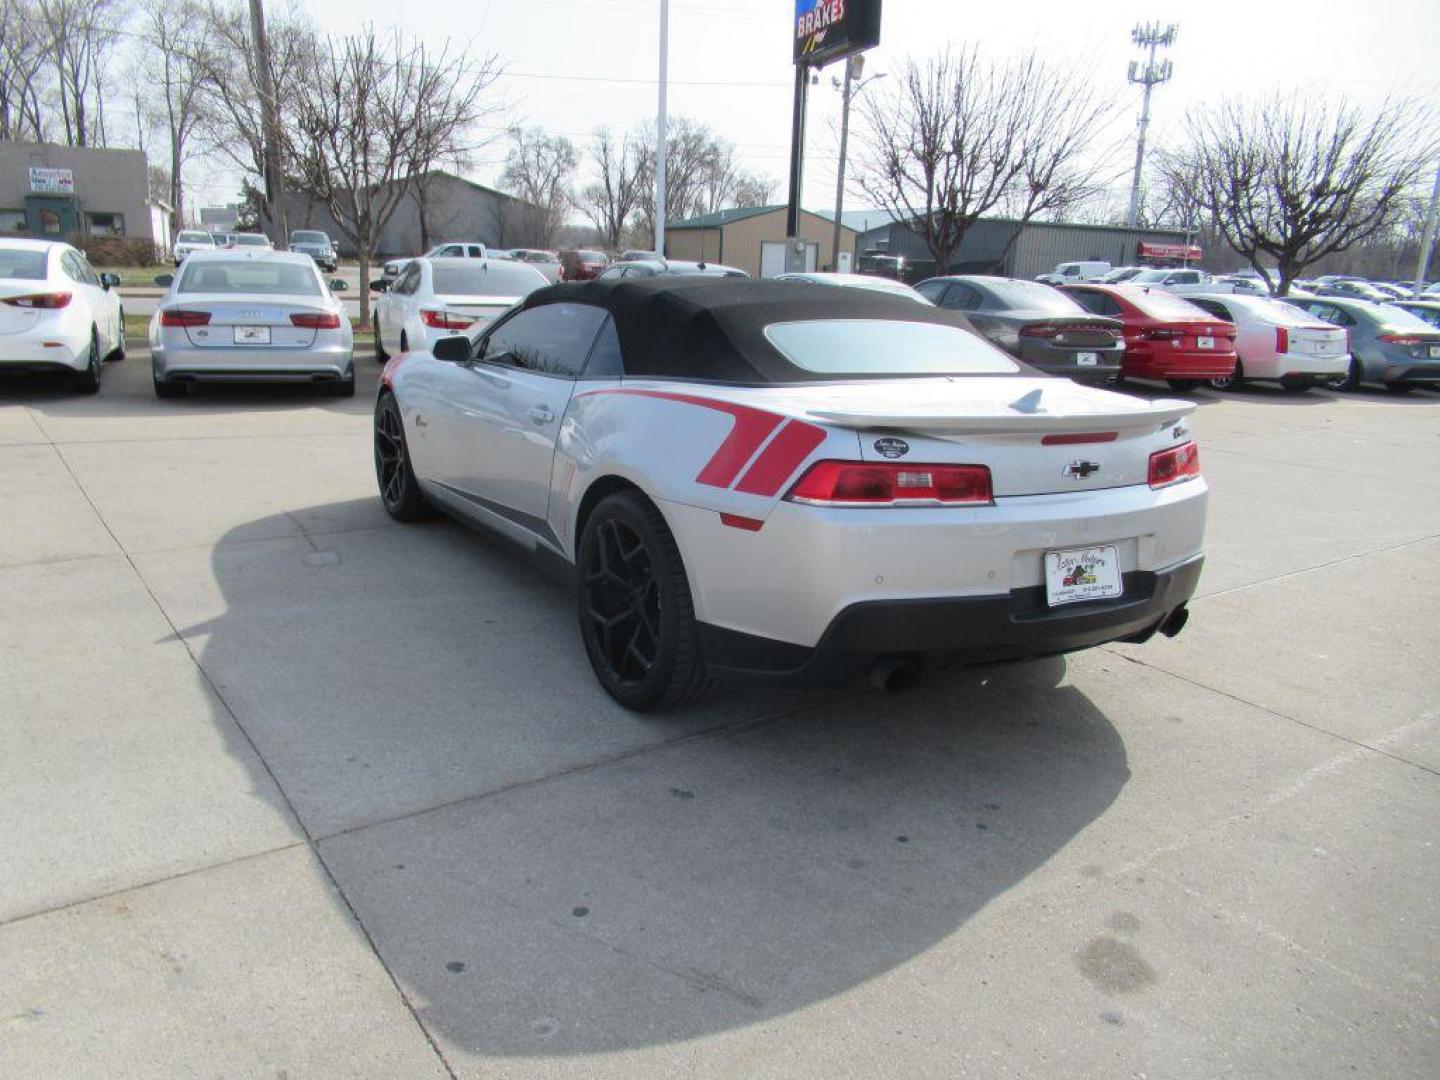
[886,347]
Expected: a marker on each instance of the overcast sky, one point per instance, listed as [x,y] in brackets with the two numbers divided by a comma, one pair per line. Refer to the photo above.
[573,65]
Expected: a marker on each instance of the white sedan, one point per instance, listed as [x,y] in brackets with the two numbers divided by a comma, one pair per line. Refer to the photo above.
[795,480]
[1278,342]
[435,297]
[57,313]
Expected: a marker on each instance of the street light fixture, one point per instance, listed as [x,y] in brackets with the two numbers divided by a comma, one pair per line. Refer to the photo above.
[849,88]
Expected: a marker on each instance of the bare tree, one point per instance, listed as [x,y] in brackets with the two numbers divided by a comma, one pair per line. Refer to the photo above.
[1291,180]
[80,35]
[611,198]
[175,39]
[358,127]
[538,170]
[230,117]
[23,54]
[724,183]
[959,137]
[689,156]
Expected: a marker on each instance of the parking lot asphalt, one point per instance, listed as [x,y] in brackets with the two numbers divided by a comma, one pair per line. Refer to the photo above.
[289,790]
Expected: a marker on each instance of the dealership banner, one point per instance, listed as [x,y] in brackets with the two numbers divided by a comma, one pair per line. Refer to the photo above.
[52,181]
[827,30]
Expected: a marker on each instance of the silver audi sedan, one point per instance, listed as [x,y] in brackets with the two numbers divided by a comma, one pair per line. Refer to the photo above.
[250,316]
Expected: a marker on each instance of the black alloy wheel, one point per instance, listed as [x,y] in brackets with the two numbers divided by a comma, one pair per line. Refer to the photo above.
[399,490]
[637,619]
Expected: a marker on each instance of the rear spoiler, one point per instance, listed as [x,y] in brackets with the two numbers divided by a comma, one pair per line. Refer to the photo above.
[1011,422]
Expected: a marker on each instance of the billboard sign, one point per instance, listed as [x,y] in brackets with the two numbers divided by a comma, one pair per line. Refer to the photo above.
[51,181]
[827,30]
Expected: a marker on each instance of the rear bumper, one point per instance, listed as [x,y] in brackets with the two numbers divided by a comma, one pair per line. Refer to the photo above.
[1416,373]
[25,353]
[969,630]
[1065,361]
[1146,362]
[264,364]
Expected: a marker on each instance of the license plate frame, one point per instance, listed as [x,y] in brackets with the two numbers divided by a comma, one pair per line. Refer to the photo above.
[1435,352]
[1074,575]
[252,335]
[1205,342]
[1087,359]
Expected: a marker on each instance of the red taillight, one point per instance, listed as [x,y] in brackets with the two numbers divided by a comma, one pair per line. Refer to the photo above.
[1078,437]
[40,301]
[1040,330]
[1171,466]
[1400,339]
[1052,330]
[858,483]
[177,317]
[445,320]
[316,320]
[1282,339]
[1162,334]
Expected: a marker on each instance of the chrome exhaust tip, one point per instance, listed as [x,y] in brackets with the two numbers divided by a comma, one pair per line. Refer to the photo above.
[1176,621]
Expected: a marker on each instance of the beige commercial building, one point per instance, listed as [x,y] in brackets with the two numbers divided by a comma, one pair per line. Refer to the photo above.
[68,192]
[753,239]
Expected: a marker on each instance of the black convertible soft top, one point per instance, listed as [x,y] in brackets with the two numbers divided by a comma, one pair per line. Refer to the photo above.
[713,329]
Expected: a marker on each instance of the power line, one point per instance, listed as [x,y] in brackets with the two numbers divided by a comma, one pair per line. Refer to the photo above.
[637,82]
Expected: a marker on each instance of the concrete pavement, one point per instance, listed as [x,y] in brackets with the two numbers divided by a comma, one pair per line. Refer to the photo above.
[290,790]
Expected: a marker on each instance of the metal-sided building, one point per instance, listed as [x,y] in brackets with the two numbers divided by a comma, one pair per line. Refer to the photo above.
[1034,248]
[753,239]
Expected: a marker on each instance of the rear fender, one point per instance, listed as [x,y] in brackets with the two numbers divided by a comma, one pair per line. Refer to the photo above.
[683,445]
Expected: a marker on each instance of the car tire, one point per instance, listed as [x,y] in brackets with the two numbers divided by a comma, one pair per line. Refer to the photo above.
[1183,384]
[166,389]
[404,342]
[400,492]
[1353,377]
[637,618]
[1232,382]
[381,355]
[87,380]
[344,388]
[118,353]
[1400,388]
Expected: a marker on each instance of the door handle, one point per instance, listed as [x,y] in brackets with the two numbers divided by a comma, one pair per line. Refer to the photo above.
[541,414]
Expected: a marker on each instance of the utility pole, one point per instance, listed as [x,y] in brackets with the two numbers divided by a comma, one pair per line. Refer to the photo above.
[662,144]
[1149,75]
[854,68]
[1422,266]
[270,124]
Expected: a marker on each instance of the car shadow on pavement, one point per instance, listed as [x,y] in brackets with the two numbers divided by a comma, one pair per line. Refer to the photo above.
[544,873]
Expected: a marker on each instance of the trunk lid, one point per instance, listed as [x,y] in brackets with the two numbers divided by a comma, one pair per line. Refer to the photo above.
[1036,435]
[257,322]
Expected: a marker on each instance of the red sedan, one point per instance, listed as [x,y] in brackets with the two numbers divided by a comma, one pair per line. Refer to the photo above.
[1165,337]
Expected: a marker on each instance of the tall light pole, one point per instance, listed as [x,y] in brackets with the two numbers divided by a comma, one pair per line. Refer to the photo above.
[854,68]
[662,144]
[270,125]
[1422,265]
[1149,75]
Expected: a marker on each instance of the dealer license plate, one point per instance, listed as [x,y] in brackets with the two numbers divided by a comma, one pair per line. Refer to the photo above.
[1086,359]
[1091,573]
[1204,342]
[252,335]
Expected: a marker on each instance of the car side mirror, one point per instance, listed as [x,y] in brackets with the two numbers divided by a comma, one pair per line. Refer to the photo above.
[453,349]
[338,285]
[109,281]
[379,285]
[164,280]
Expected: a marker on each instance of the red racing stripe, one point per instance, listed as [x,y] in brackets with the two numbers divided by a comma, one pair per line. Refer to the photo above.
[752,427]
[781,458]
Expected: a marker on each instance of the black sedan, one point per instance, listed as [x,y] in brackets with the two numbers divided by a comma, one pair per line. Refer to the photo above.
[1036,323]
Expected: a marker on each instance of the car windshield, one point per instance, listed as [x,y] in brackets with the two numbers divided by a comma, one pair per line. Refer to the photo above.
[1033,296]
[18,264]
[1276,312]
[886,347]
[487,277]
[194,238]
[1163,305]
[248,240]
[303,237]
[267,278]
[591,257]
[1149,277]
